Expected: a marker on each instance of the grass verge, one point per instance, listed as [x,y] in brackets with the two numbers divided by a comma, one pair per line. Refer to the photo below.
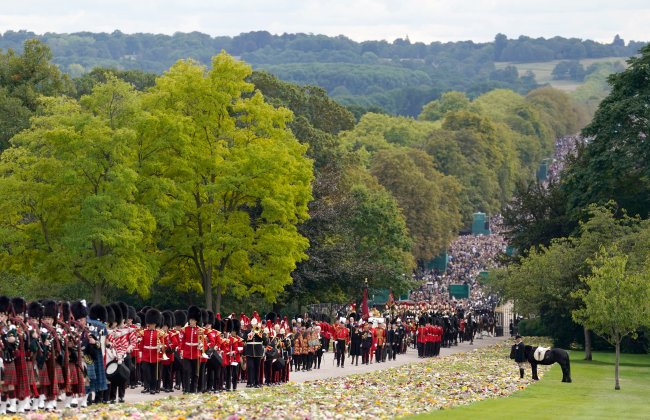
[590,396]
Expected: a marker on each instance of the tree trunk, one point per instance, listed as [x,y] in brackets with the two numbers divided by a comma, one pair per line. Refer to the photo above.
[217,307]
[98,293]
[207,290]
[587,344]
[618,356]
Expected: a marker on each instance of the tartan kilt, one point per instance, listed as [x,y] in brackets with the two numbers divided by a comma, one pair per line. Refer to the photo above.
[72,377]
[79,384]
[32,378]
[22,386]
[58,374]
[10,378]
[44,377]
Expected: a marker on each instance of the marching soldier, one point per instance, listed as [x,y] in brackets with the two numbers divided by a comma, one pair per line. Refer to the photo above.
[190,351]
[342,336]
[150,346]
[180,319]
[254,352]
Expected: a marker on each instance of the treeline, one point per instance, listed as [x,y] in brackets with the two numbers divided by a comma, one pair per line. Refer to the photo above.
[592,225]
[398,77]
[233,187]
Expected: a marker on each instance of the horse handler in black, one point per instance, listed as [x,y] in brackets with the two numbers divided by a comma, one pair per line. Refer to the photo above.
[518,353]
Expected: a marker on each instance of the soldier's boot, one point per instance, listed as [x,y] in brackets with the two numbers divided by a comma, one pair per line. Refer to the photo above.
[521,373]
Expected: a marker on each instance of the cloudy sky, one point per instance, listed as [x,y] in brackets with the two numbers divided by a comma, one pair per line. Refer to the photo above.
[420,20]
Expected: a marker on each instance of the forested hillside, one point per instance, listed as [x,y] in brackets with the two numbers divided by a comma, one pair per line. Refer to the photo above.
[397,77]
[187,179]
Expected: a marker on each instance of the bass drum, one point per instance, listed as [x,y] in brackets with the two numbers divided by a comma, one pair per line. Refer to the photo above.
[117,373]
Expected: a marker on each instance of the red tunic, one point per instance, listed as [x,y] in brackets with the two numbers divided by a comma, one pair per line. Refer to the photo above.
[422,332]
[149,346]
[190,343]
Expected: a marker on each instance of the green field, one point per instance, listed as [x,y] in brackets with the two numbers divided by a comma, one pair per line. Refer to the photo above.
[543,70]
[590,396]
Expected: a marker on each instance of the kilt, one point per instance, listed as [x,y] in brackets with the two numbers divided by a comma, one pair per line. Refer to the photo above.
[44,377]
[22,377]
[58,374]
[77,382]
[32,377]
[10,378]
[97,377]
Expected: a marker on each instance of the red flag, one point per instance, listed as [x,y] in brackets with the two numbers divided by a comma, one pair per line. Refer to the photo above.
[365,313]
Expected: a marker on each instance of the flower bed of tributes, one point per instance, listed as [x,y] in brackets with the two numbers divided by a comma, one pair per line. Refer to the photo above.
[441,383]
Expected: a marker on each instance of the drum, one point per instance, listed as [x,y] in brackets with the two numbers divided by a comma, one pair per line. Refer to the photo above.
[117,373]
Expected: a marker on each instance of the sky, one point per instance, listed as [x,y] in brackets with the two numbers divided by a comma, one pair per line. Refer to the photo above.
[419,20]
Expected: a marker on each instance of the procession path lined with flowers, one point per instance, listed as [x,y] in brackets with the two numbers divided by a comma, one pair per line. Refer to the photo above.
[444,382]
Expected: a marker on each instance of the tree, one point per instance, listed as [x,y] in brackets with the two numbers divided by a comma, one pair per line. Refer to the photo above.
[427,198]
[615,165]
[23,78]
[616,301]
[544,280]
[69,189]
[236,181]
[450,101]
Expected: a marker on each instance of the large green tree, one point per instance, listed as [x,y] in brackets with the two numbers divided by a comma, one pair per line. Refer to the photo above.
[236,181]
[427,198]
[615,164]
[68,186]
[23,78]
[616,300]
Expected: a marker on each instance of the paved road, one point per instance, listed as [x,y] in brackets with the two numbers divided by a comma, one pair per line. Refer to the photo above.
[329,370]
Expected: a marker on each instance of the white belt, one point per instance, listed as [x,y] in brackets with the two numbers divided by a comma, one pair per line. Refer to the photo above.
[191,344]
[255,342]
[150,347]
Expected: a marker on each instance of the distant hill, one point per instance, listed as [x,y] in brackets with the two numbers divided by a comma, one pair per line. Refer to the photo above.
[398,77]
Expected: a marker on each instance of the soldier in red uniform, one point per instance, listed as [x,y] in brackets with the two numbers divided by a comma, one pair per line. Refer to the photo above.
[342,336]
[151,346]
[380,332]
[190,350]
[438,331]
[421,335]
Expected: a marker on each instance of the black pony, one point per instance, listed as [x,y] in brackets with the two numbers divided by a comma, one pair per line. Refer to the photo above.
[551,356]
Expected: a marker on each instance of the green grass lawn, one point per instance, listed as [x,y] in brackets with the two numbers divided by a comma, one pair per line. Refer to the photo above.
[591,395]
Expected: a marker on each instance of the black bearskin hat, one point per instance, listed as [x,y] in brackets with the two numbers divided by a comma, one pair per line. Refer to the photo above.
[65,310]
[125,310]
[180,319]
[131,313]
[211,319]
[193,312]
[19,304]
[153,316]
[236,326]
[35,310]
[168,318]
[204,317]
[139,319]
[5,305]
[78,309]
[354,316]
[227,325]
[271,316]
[98,313]
[117,312]
[50,309]
[110,315]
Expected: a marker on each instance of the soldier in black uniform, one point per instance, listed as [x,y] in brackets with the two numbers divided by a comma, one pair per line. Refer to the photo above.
[254,351]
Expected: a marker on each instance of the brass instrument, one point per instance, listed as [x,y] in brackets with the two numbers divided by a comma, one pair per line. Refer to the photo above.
[162,345]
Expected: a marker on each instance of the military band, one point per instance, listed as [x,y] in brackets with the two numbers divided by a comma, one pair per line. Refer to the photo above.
[80,354]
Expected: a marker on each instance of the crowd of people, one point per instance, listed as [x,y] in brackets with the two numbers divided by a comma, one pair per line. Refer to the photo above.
[564,147]
[468,256]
